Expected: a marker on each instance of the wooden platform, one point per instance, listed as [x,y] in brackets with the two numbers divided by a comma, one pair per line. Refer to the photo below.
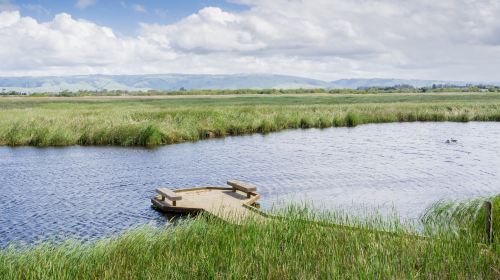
[226,203]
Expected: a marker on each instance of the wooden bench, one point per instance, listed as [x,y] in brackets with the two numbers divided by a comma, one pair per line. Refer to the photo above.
[169,194]
[242,186]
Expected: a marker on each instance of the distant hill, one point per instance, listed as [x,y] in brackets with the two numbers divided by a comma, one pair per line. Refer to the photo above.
[187,81]
[364,83]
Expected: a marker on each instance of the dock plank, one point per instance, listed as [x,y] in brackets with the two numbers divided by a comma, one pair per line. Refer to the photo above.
[219,201]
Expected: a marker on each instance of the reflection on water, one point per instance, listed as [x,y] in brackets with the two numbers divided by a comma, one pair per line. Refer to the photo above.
[97,191]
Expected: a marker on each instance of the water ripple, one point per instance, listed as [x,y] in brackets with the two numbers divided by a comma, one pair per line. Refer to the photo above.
[89,192]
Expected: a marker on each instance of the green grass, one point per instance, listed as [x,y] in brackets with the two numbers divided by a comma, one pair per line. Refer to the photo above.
[467,216]
[289,248]
[151,121]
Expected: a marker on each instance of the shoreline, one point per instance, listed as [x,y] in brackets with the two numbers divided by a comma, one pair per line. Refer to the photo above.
[150,122]
[245,134]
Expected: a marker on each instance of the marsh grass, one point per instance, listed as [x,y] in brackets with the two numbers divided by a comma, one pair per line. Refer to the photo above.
[145,121]
[292,247]
[467,217]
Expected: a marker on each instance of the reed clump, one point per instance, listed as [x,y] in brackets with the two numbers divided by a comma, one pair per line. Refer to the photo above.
[141,121]
[466,217]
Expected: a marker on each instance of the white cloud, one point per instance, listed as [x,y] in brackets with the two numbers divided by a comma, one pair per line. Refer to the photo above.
[327,39]
[65,44]
[82,4]
[139,8]
[214,30]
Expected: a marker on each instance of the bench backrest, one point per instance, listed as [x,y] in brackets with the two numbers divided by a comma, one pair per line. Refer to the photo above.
[169,194]
[242,186]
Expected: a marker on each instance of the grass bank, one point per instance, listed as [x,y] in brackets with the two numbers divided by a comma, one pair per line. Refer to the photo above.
[151,121]
[291,248]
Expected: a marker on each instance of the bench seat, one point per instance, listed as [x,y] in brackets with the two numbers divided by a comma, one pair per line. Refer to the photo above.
[242,186]
[169,194]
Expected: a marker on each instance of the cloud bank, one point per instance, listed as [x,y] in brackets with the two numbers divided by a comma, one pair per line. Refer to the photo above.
[447,39]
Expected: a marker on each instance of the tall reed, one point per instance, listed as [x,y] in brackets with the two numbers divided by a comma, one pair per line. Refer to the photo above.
[290,247]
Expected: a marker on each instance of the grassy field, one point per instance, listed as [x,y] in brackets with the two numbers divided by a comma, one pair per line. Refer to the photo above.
[291,248]
[157,120]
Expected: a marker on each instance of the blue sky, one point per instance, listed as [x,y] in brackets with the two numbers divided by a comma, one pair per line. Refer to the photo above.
[122,16]
[323,39]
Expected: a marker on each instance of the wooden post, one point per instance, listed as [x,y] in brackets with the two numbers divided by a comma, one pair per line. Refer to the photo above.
[489,221]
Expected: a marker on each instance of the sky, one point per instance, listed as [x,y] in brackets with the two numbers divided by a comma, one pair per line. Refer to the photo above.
[324,39]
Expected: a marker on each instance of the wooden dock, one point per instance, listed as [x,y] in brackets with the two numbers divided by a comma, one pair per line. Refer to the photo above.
[233,204]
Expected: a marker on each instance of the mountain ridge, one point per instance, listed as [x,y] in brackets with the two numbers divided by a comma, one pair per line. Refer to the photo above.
[100,82]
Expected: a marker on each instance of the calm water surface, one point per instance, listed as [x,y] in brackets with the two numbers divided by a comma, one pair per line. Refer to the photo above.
[89,192]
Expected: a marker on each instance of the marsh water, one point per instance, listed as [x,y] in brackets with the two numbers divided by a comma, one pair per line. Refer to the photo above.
[89,192]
